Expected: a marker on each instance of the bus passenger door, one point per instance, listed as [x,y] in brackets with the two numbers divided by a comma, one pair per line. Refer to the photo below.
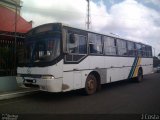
[76,49]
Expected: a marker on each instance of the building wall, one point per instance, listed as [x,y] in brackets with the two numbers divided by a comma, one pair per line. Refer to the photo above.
[12,21]
[12,5]
[8,55]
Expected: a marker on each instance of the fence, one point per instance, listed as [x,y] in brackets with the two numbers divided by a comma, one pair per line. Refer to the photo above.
[7,52]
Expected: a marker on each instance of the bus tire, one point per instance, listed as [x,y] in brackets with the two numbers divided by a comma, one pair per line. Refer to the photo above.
[90,85]
[139,77]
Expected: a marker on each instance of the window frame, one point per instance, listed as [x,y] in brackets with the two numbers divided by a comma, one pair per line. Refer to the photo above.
[138,50]
[149,51]
[118,39]
[134,50]
[77,35]
[102,44]
[74,58]
[97,47]
[144,51]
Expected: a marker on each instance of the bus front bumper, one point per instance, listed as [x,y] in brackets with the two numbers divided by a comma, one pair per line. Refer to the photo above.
[49,85]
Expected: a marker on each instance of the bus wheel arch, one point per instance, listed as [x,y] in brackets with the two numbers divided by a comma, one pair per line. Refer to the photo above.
[98,78]
[139,77]
[93,83]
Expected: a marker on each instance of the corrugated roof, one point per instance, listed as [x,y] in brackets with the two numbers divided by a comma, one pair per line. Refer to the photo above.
[7,21]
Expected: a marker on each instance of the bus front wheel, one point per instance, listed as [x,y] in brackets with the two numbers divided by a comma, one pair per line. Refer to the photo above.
[91,85]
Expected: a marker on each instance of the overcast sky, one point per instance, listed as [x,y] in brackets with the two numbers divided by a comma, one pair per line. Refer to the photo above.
[137,20]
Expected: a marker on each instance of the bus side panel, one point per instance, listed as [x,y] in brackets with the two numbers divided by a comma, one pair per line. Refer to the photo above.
[126,71]
[118,68]
[56,70]
[103,75]
[85,73]
[147,65]
[77,83]
[114,74]
[75,75]
[74,80]
[96,62]
[68,81]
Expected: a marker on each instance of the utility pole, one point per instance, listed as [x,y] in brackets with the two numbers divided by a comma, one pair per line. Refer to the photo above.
[88,15]
[15,42]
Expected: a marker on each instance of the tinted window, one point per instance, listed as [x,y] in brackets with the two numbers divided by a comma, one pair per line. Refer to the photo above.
[148,51]
[122,47]
[144,51]
[77,44]
[82,44]
[95,43]
[138,49]
[41,48]
[109,46]
[131,49]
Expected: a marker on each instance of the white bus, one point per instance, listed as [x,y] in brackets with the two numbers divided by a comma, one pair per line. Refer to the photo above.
[59,58]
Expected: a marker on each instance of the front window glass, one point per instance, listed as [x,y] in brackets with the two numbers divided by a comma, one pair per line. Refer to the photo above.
[42,48]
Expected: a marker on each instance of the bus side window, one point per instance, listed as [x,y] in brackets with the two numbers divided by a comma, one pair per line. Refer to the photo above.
[77,47]
[72,38]
[77,44]
[139,49]
[131,49]
[95,43]
[109,46]
[143,51]
[148,51]
[72,43]
[122,47]
[82,44]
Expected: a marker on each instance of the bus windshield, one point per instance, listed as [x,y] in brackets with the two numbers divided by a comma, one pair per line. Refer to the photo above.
[41,48]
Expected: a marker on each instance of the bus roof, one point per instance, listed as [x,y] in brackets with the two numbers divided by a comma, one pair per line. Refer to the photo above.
[110,35]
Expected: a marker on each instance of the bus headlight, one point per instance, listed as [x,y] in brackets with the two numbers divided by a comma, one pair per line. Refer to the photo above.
[47,76]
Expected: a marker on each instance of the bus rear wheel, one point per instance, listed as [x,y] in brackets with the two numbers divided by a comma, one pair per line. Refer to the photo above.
[139,76]
[91,85]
